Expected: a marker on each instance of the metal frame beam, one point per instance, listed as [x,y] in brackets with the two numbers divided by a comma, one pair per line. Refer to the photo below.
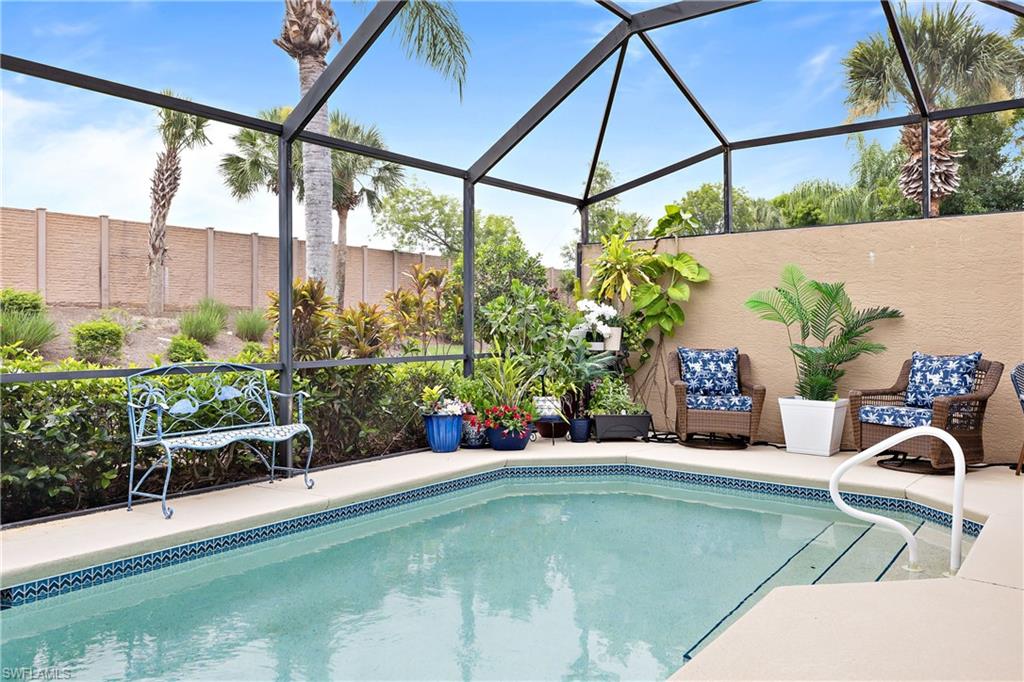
[1007,6]
[468,276]
[286,338]
[352,50]
[616,10]
[654,175]
[826,132]
[527,189]
[687,93]
[128,92]
[908,65]
[727,190]
[604,119]
[676,12]
[551,99]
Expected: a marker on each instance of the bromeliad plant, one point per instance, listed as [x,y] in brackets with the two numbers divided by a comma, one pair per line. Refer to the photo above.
[821,312]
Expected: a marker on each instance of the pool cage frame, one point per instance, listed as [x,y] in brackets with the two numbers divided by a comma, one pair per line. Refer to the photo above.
[614,43]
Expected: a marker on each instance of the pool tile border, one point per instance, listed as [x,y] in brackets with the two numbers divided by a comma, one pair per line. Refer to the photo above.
[64,583]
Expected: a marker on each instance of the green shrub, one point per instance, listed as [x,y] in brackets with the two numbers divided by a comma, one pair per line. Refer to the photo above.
[185,349]
[253,353]
[611,396]
[98,340]
[251,325]
[14,301]
[201,324]
[215,308]
[31,329]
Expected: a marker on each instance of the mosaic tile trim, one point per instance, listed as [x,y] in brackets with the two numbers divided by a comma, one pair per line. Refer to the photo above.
[43,588]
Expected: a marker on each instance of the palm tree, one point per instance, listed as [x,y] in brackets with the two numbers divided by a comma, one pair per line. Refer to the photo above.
[429,31]
[355,179]
[179,132]
[958,62]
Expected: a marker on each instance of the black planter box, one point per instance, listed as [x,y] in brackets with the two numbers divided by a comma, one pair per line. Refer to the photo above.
[609,426]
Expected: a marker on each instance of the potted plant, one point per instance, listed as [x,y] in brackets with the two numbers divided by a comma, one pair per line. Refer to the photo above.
[442,418]
[579,369]
[614,412]
[472,393]
[829,333]
[508,427]
[601,326]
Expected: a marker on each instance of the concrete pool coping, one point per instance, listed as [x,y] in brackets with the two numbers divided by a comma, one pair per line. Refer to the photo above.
[932,610]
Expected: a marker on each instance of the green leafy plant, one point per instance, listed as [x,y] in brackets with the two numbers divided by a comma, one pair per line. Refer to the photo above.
[821,312]
[98,340]
[525,319]
[251,325]
[31,329]
[254,353]
[573,370]
[185,349]
[364,331]
[13,300]
[611,396]
[312,319]
[471,391]
[507,379]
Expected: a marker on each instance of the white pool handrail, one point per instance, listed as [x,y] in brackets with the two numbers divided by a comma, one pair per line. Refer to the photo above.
[959,471]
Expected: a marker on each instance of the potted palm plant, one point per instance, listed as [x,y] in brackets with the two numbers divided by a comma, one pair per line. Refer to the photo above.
[829,332]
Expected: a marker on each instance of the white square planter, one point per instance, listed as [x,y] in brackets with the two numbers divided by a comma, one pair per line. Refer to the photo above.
[813,427]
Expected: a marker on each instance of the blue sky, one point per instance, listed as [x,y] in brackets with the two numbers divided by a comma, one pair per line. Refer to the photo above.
[771,67]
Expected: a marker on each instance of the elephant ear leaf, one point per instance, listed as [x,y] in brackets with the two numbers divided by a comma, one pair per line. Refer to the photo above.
[645,294]
[680,291]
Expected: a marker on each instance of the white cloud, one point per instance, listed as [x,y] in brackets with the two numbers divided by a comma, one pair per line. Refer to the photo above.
[62,29]
[814,67]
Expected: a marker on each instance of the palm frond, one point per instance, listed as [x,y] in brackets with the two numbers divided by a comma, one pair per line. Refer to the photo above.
[430,31]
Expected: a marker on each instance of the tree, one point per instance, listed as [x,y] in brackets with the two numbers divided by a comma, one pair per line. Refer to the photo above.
[959,62]
[178,132]
[605,219]
[355,179]
[416,219]
[748,213]
[991,179]
[429,31]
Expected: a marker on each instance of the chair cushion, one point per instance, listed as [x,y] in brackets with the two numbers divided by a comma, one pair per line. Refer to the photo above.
[218,439]
[723,403]
[710,372]
[936,375]
[895,415]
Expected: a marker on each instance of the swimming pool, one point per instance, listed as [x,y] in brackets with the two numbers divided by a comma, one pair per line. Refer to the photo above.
[529,577]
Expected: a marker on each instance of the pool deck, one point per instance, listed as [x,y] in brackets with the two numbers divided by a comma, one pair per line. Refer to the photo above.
[967,627]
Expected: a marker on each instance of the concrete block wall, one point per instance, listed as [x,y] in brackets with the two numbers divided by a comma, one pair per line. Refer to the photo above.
[98,261]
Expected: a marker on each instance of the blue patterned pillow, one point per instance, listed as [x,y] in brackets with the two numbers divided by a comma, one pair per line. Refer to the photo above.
[936,375]
[710,372]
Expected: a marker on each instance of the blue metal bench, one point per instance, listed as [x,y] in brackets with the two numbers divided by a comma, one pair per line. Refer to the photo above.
[206,406]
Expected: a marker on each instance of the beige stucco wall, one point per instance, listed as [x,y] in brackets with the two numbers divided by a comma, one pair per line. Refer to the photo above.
[959,282]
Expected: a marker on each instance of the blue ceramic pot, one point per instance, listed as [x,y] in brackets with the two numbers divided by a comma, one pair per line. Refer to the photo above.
[579,430]
[444,431]
[513,441]
[473,438]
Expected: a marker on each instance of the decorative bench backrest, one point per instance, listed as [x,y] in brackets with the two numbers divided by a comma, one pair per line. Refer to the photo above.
[197,397]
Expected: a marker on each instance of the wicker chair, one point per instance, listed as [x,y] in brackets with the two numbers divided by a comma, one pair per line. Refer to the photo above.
[961,415]
[690,421]
[1017,379]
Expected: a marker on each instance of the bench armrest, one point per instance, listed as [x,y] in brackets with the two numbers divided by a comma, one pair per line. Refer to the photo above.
[300,395]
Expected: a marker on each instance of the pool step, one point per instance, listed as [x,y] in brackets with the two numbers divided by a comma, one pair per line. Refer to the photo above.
[874,554]
[801,569]
[933,548]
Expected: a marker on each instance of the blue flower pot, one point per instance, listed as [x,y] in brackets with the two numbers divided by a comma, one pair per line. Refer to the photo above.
[579,430]
[444,431]
[513,441]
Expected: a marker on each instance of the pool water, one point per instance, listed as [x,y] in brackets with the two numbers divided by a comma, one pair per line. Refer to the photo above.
[541,580]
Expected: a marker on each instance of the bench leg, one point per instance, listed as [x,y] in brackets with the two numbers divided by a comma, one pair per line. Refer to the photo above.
[168,512]
[309,458]
[273,460]
[131,479]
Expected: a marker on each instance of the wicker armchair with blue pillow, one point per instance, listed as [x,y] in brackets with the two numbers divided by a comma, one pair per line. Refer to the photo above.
[947,391]
[714,394]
